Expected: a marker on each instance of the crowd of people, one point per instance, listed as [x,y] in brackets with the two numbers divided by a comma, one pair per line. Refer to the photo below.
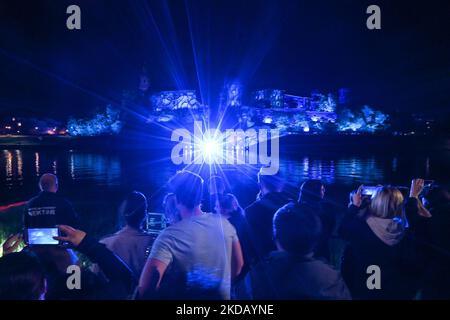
[395,240]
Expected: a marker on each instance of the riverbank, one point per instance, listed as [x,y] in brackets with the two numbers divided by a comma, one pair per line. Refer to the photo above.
[288,144]
[30,141]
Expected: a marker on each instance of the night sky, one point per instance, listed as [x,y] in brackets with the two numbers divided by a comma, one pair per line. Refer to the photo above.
[299,46]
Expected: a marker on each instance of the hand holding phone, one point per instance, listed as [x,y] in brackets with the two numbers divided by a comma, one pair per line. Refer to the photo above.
[357,196]
[369,191]
[416,187]
[41,236]
[70,235]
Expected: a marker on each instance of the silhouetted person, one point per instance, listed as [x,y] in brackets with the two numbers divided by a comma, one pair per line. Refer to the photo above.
[22,277]
[48,209]
[228,206]
[312,193]
[216,188]
[437,244]
[260,213]
[292,272]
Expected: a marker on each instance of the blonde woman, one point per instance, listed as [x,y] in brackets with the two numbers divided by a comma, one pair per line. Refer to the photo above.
[380,259]
[386,217]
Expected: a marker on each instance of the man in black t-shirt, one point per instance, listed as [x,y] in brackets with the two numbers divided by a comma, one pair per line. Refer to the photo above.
[260,214]
[48,209]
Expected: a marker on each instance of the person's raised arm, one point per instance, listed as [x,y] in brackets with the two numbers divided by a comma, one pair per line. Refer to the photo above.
[346,225]
[414,208]
[357,198]
[112,266]
[416,188]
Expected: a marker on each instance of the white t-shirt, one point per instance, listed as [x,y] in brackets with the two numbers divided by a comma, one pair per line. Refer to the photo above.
[200,247]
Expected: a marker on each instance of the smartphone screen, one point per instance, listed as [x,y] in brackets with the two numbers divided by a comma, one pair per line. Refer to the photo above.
[156,222]
[42,236]
[369,191]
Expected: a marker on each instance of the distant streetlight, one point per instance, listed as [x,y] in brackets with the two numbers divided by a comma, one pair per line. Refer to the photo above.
[19,124]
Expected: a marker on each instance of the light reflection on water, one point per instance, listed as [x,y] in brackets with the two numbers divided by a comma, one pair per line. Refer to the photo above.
[105,169]
[13,164]
[342,171]
[36,164]
[96,182]
[95,168]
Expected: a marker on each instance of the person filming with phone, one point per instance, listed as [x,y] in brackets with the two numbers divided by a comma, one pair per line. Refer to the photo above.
[41,272]
[379,235]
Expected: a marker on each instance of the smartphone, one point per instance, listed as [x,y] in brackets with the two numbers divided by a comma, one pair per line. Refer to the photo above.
[156,222]
[42,236]
[369,191]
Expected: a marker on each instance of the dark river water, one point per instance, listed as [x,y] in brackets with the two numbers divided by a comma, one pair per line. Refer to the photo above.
[96,182]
